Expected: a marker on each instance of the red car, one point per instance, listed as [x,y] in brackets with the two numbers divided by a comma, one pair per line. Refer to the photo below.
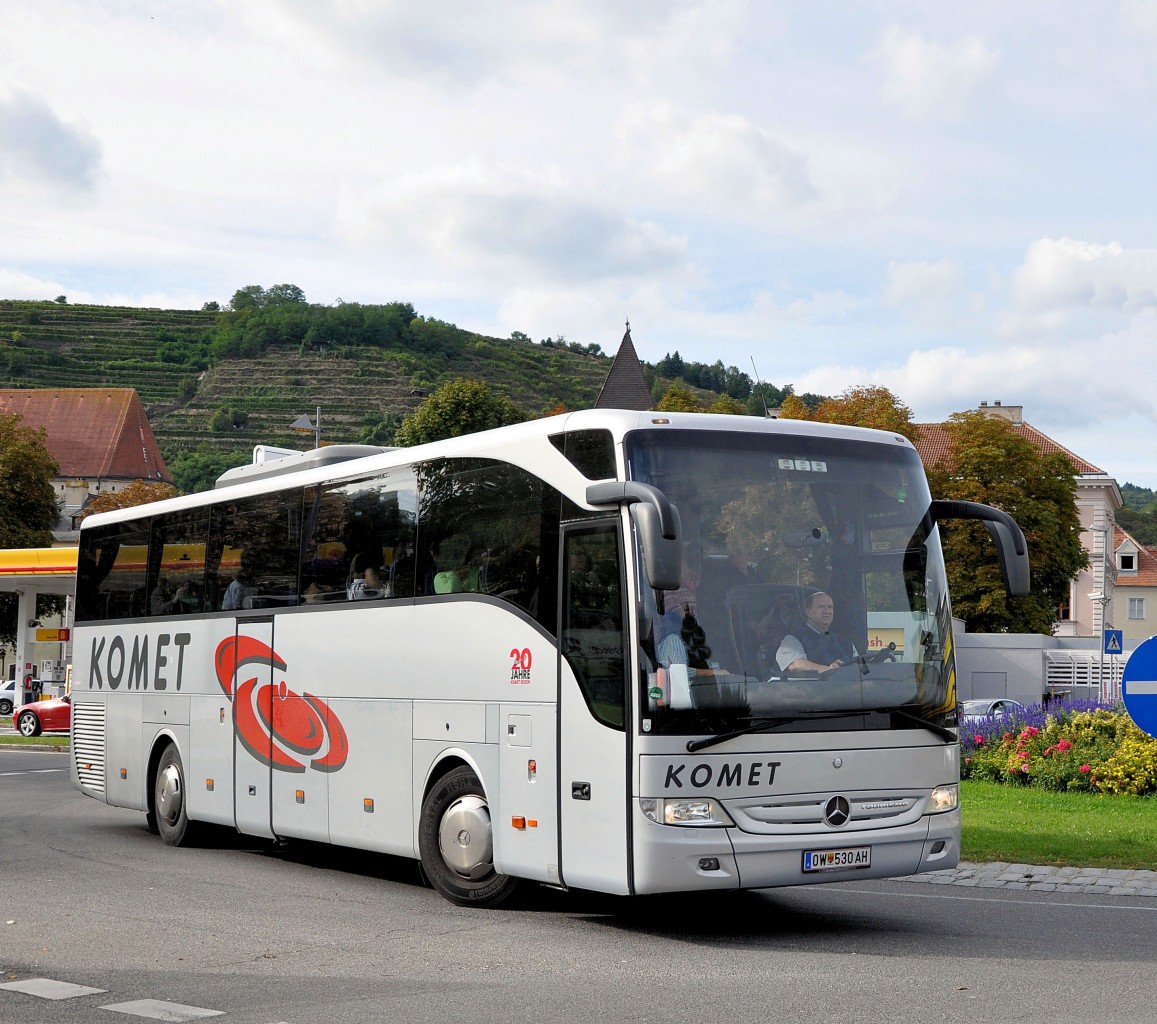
[44,716]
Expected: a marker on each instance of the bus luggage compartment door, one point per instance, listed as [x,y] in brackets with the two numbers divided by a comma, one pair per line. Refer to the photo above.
[526,816]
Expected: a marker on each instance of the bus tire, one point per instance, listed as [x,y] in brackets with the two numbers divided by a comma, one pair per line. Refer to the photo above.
[168,810]
[456,842]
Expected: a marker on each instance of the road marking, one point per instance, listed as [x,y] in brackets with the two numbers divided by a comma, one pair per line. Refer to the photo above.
[46,988]
[824,891]
[158,1009]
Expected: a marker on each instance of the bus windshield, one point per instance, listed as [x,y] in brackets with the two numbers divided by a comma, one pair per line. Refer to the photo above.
[813,592]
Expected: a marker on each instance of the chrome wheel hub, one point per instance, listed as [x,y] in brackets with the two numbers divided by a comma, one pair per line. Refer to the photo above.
[464,838]
[169,795]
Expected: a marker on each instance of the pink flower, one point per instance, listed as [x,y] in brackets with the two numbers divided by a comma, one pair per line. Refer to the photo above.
[1085,769]
[1022,754]
[1024,768]
[1064,745]
[1030,730]
[978,739]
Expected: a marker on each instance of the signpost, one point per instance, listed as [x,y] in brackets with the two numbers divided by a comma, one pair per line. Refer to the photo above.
[1139,686]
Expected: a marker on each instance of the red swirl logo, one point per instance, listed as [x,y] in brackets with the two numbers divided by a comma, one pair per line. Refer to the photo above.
[285,730]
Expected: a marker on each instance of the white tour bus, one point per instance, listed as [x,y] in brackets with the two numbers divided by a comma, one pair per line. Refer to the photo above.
[566,651]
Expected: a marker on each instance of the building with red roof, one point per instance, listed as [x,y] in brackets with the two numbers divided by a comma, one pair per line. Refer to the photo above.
[1090,607]
[100,437]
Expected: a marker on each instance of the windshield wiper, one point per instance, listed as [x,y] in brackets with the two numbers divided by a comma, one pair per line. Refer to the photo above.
[766,725]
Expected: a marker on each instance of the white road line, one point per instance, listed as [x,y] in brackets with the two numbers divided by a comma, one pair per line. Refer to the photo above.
[824,891]
[158,1009]
[46,988]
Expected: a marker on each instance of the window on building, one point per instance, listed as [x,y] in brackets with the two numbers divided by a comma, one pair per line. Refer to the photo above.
[1136,608]
[1127,562]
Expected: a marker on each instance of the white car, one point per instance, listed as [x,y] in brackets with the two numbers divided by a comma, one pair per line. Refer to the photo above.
[975,711]
[7,697]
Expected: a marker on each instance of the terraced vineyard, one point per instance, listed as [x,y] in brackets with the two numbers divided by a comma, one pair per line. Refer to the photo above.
[48,344]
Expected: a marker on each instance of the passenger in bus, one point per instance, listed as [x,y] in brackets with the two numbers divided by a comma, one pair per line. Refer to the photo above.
[364,580]
[161,598]
[234,595]
[813,647]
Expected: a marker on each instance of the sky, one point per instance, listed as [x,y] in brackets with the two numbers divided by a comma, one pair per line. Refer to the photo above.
[954,201]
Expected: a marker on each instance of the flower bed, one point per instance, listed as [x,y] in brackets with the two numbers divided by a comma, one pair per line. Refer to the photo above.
[1065,745]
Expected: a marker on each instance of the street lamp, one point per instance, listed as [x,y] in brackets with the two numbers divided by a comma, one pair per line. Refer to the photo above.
[303,426]
[1102,600]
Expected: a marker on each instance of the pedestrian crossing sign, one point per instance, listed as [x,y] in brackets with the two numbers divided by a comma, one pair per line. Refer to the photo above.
[1114,641]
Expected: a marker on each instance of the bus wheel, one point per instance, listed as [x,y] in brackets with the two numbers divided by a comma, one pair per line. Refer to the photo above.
[169,799]
[456,843]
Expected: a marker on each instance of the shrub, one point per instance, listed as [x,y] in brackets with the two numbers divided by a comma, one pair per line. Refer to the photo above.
[1064,746]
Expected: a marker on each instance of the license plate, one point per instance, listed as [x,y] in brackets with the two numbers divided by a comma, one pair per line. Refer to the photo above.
[837,860]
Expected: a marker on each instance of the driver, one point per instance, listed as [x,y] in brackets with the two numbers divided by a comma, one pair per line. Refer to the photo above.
[815,649]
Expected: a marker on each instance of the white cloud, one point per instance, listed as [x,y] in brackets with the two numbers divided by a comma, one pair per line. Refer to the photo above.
[18,284]
[722,163]
[931,294]
[1141,15]
[925,78]
[495,221]
[36,146]
[1060,273]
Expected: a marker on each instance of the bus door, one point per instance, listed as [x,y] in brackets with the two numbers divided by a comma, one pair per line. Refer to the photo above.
[253,662]
[594,776]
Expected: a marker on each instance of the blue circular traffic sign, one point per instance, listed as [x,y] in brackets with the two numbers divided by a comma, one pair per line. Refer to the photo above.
[1139,686]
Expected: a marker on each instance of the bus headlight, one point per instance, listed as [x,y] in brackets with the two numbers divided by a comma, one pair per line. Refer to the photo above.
[699,812]
[944,798]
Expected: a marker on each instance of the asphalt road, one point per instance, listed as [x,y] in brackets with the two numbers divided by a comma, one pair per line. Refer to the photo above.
[306,933]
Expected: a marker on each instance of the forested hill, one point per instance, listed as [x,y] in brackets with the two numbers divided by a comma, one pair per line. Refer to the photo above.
[216,382]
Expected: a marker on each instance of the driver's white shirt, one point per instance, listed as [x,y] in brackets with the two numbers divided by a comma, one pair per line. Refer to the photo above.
[792,648]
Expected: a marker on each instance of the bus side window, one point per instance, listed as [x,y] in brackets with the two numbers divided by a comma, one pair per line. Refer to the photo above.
[257,543]
[482,528]
[115,558]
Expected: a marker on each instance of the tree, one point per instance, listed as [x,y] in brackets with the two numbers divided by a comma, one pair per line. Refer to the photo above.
[794,408]
[30,509]
[989,462]
[198,470]
[679,399]
[379,429]
[868,406]
[863,406]
[139,492]
[727,404]
[457,407]
[27,496]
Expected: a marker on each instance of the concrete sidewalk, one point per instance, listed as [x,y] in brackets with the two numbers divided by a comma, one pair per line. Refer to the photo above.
[1090,881]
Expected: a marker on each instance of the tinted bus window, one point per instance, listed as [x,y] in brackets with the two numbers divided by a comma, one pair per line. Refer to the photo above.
[112,564]
[178,546]
[482,530]
[360,539]
[256,551]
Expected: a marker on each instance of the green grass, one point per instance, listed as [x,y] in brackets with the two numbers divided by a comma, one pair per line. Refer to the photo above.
[53,740]
[1031,826]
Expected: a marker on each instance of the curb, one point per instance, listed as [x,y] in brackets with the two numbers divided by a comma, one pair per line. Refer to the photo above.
[1039,878]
